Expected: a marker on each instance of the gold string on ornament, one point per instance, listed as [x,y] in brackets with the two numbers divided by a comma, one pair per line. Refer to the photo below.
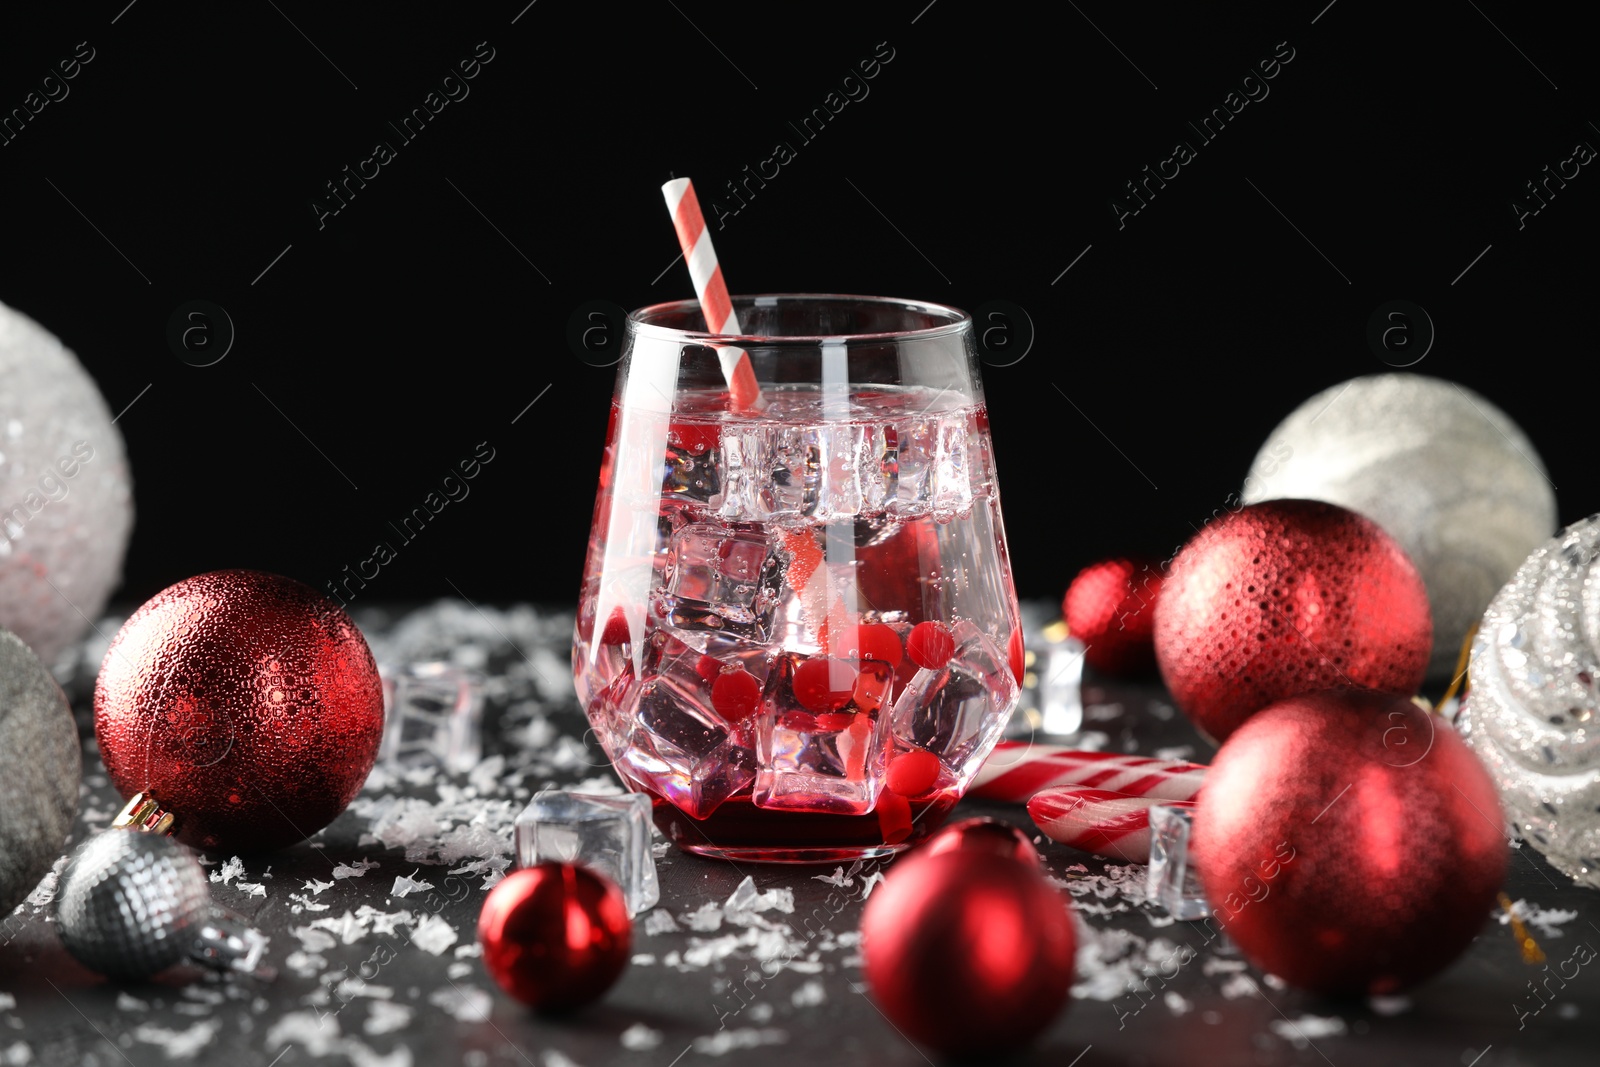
[1531,952]
[1462,663]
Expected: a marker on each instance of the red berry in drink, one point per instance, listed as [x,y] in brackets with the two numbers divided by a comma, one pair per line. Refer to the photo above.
[930,645]
[1017,654]
[894,817]
[736,694]
[822,684]
[616,631]
[872,685]
[913,772]
[879,642]
[694,437]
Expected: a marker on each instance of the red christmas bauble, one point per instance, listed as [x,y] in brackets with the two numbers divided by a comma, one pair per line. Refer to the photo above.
[1349,842]
[245,704]
[555,936]
[968,953]
[983,836]
[1285,597]
[1111,607]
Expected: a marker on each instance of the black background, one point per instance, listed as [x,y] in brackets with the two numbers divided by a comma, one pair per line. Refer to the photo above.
[426,315]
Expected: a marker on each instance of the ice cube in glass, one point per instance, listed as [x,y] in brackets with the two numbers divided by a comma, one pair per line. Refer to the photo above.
[959,709]
[721,580]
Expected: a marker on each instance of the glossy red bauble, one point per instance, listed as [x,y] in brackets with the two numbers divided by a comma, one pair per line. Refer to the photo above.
[1286,597]
[245,704]
[983,836]
[1349,842]
[968,953]
[555,936]
[1111,607]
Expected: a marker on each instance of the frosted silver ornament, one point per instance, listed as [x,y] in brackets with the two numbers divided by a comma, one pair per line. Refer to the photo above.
[66,504]
[40,768]
[1533,713]
[131,904]
[1446,474]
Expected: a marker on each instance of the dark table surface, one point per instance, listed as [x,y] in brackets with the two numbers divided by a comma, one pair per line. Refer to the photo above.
[372,978]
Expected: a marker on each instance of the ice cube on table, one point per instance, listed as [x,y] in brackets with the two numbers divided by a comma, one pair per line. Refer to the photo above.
[1171,880]
[1060,672]
[826,753]
[609,834]
[958,710]
[432,714]
[681,748]
[721,580]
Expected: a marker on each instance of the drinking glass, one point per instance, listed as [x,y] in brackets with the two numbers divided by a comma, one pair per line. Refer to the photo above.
[797,631]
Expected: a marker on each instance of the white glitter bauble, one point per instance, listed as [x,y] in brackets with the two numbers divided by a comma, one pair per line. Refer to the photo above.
[1533,713]
[66,503]
[1443,471]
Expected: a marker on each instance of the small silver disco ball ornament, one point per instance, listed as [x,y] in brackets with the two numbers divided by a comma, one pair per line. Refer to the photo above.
[1446,473]
[66,501]
[1533,712]
[131,904]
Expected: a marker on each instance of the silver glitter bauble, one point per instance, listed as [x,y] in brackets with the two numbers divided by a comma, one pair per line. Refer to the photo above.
[1443,471]
[66,505]
[131,904]
[1533,713]
[40,768]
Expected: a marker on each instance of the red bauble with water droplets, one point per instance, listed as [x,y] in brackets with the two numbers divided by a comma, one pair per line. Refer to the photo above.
[1285,597]
[245,704]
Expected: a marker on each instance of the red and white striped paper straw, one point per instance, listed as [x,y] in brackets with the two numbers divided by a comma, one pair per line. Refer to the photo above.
[1106,823]
[712,290]
[1016,770]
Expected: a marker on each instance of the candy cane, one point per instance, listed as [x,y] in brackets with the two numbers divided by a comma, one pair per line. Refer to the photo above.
[1109,824]
[1016,770]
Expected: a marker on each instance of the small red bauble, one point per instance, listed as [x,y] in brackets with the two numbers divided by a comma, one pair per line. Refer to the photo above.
[983,835]
[969,954]
[245,704]
[555,936]
[1349,842]
[1285,597]
[1111,607]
